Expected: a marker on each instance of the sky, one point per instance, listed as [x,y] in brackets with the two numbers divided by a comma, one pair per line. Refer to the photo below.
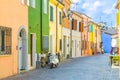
[98,10]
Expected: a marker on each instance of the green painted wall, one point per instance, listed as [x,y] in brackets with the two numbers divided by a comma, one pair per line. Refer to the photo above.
[45,24]
[34,24]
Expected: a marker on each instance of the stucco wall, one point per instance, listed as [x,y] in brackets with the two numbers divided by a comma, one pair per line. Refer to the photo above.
[13,15]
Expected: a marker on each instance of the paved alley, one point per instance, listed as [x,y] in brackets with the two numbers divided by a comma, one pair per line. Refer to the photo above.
[85,68]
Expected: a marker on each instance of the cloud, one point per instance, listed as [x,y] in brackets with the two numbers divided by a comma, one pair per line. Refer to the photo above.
[91,6]
[75,1]
[98,8]
[108,11]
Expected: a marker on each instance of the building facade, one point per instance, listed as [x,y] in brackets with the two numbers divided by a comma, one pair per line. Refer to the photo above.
[85,35]
[38,21]
[13,37]
[66,30]
[34,45]
[55,26]
[76,34]
[118,21]
[95,38]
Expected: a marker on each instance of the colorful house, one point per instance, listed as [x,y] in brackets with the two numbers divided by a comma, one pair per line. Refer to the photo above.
[95,38]
[118,21]
[76,34]
[38,22]
[109,39]
[55,25]
[91,37]
[85,35]
[66,30]
[34,32]
[13,37]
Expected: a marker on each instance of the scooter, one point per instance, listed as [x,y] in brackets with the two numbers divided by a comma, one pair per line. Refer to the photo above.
[53,61]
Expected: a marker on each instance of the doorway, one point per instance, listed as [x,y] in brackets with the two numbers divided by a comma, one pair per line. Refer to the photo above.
[32,49]
[22,50]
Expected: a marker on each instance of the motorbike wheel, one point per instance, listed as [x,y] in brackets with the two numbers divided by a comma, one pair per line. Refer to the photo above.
[51,66]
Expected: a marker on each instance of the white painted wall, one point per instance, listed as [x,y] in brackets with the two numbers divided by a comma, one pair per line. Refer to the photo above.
[76,37]
[66,33]
[76,48]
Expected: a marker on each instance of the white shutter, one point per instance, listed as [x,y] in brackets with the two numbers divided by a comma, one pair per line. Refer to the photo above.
[22,1]
[45,6]
[33,3]
[28,2]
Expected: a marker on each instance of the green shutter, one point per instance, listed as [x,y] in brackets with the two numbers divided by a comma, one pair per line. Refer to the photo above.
[60,21]
[51,13]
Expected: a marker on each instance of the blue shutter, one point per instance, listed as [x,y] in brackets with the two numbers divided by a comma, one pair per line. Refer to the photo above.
[91,28]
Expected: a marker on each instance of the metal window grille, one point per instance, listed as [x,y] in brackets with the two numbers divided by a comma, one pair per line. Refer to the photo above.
[5,37]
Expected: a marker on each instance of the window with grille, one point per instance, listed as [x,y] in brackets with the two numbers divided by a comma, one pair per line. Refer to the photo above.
[5,40]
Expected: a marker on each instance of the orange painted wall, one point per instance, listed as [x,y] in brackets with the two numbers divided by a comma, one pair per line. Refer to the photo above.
[85,36]
[65,21]
[12,14]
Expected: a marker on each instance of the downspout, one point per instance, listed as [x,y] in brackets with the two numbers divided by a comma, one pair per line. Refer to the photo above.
[81,37]
[56,26]
[38,61]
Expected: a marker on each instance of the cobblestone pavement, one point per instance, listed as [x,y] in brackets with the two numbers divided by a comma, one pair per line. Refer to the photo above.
[85,68]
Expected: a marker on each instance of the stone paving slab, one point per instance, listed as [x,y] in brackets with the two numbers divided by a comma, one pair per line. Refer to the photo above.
[84,68]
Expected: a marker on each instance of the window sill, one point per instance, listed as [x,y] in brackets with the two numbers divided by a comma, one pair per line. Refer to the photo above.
[6,55]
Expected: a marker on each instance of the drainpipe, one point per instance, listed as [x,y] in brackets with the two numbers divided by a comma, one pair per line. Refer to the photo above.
[81,36]
[57,27]
[38,59]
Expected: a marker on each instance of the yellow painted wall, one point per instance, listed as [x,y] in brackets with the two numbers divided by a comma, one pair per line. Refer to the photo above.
[118,18]
[118,21]
[91,40]
[52,25]
[12,14]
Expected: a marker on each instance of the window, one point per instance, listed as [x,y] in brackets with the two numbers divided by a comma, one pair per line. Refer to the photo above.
[2,40]
[78,26]
[45,42]
[33,3]
[45,6]
[51,13]
[5,40]
[26,2]
[60,19]
[72,24]
[60,44]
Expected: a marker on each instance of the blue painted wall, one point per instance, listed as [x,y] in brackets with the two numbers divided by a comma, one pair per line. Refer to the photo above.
[106,39]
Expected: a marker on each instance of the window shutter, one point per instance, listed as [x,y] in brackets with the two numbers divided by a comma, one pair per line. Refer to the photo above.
[72,24]
[45,6]
[79,26]
[8,40]
[22,1]
[51,13]
[82,26]
[33,3]
[60,20]
[28,2]
[75,24]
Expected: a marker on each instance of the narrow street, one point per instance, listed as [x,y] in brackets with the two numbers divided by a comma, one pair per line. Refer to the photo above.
[85,68]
